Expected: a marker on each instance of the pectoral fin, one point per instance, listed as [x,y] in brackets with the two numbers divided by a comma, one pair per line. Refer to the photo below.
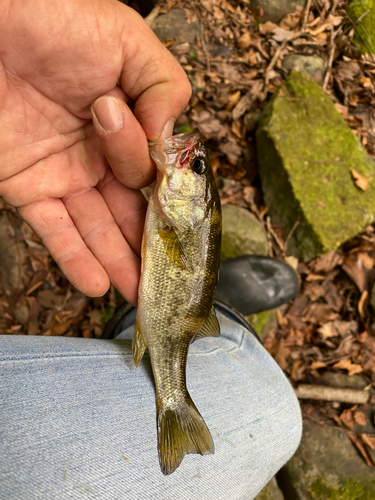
[173,247]
[211,327]
[138,344]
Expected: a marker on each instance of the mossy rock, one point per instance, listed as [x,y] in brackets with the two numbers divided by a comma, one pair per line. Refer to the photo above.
[270,492]
[365,28]
[263,322]
[306,151]
[243,234]
[326,466]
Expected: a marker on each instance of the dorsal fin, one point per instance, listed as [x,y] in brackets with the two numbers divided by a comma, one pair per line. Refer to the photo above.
[211,327]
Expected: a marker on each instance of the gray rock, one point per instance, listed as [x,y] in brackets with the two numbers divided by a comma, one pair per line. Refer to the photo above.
[314,66]
[307,154]
[270,492]
[242,233]
[275,10]
[173,24]
[327,466]
[22,314]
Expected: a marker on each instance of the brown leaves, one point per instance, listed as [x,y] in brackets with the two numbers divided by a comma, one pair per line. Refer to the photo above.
[360,445]
[360,180]
[346,364]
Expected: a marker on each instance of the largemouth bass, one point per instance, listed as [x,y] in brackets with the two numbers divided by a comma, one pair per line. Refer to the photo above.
[180,262]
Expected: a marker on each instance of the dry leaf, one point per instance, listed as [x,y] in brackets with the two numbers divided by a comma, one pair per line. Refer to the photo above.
[280,354]
[319,313]
[233,100]
[369,440]
[281,34]
[244,41]
[267,27]
[347,419]
[292,261]
[359,180]
[290,21]
[314,277]
[346,364]
[355,269]
[327,262]
[317,364]
[314,290]
[366,82]
[280,318]
[361,448]
[360,418]
[361,302]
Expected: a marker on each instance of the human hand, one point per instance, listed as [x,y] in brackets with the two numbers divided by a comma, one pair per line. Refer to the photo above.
[73,174]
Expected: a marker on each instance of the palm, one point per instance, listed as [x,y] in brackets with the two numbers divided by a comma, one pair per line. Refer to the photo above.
[54,166]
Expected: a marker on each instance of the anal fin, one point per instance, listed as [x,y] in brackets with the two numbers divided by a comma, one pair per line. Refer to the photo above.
[138,344]
[211,327]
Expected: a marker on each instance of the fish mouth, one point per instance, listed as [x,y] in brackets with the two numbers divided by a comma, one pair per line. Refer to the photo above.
[174,150]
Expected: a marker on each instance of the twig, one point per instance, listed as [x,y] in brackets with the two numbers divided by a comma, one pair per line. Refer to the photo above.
[204,47]
[153,14]
[359,33]
[326,393]
[338,428]
[330,60]
[245,84]
[334,6]
[277,239]
[296,224]
[306,16]
[276,57]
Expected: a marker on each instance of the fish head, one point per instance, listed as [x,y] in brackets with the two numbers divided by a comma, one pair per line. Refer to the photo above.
[185,182]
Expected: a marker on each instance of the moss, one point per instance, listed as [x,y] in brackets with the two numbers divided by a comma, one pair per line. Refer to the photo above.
[306,151]
[262,322]
[349,489]
[365,28]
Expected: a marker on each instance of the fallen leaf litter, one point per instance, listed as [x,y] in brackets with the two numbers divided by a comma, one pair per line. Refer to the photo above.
[235,66]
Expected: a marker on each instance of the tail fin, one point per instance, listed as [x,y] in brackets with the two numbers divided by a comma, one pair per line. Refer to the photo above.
[181,430]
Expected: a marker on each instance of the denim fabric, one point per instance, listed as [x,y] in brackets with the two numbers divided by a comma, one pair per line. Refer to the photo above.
[77,420]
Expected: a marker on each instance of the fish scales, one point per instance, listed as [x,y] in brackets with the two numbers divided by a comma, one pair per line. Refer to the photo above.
[180,260]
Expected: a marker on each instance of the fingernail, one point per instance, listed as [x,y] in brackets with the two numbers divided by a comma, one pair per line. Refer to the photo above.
[168,128]
[108,113]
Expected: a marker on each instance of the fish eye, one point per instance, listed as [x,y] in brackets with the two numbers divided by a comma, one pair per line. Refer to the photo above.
[199,166]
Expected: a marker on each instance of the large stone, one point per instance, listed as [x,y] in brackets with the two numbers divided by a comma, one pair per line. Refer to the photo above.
[364,11]
[306,152]
[327,466]
[270,492]
[263,322]
[242,233]
[314,66]
[173,24]
[275,10]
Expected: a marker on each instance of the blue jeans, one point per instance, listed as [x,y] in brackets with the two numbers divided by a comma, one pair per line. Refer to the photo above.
[78,421]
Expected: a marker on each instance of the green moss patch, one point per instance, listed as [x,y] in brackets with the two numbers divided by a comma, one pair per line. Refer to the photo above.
[306,151]
[362,13]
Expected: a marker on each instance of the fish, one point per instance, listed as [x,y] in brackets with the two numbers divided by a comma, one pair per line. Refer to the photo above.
[180,260]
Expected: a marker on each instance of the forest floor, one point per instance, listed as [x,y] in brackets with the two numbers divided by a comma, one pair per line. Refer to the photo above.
[235,65]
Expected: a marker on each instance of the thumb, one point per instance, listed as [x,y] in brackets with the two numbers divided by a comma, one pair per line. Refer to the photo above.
[124,141]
